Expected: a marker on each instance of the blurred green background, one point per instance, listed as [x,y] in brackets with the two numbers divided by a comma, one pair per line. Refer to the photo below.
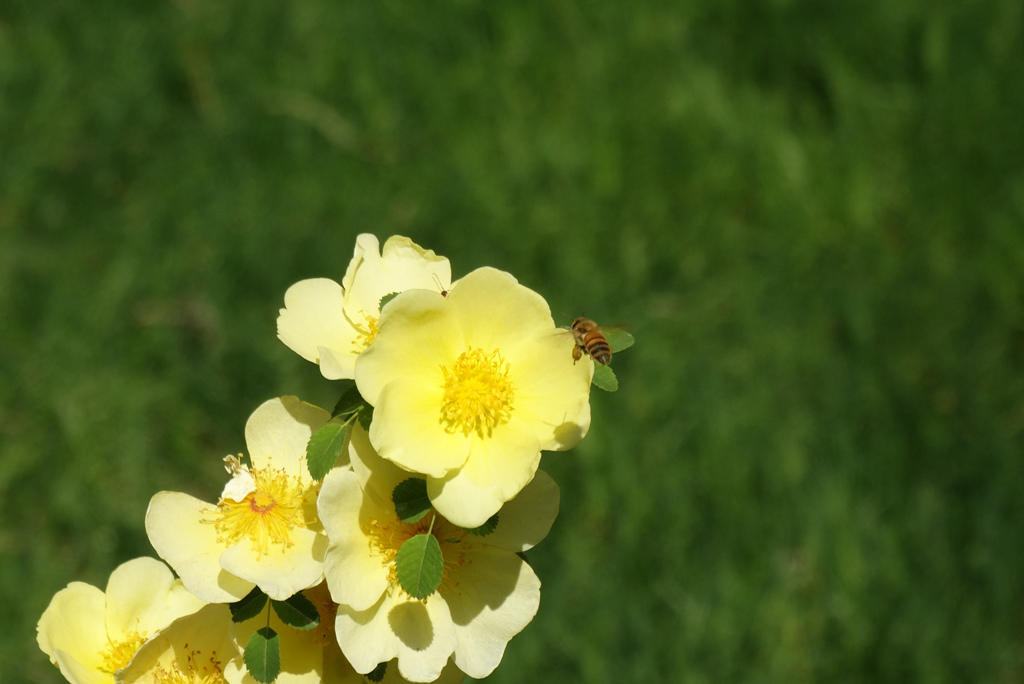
[811,214]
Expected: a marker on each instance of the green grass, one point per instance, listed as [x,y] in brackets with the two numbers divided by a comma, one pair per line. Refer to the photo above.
[812,217]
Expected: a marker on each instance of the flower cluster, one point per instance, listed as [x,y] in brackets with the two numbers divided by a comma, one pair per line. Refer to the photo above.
[380,541]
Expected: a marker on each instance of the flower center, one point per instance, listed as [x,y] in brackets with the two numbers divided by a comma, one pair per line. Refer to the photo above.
[387,537]
[478,393]
[366,332]
[118,654]
[267,514]
[196,671]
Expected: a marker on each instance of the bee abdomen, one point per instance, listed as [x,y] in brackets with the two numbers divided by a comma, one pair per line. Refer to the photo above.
[598,348]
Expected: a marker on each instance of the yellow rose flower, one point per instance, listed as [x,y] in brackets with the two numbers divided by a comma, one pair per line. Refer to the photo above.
[469,388]
[487,593]
[90,634]
[330,324]
[264,531]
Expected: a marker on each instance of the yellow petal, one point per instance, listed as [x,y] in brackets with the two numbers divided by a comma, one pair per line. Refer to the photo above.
[552,393]
[418,334]
[402,265]
[143,596]
[74,623]
[496,312]
[497,468]
[197,646]
[278,431]
[355,576]
[282,570]
[407,429]
[78,673]
[498,595]
[175,528]
[525,520]
[419,633]
[313,317]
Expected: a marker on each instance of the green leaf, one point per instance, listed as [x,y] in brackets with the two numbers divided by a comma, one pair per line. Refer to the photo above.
[366,416]
[377,673]
[410,498]
[263,655]
[248,607]
[323,449]
[385,299]
[618,339]
[297,611]
[486,528]
[349,401]
[420,565]
[604,377]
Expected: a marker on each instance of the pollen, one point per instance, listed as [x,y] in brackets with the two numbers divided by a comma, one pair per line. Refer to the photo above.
[118,654]
[266,515]
[478,393]
[366,332]
[195,671]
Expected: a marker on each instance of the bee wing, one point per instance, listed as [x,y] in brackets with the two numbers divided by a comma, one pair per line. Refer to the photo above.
[618,339]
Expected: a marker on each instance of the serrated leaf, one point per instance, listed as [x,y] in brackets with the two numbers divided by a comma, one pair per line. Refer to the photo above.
[385,299]
[604,377]
[297,611]
[377,673]
[419,565]
[366,416]
[248,607]
[263,655]
[349,401]
[410,499]
[618,339]
[323,449]
[486,528]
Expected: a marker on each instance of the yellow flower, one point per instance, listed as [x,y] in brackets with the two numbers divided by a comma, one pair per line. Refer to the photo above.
[90,635]
[193,650]
[469,388]
[264,531]
[330,324]
[487,593]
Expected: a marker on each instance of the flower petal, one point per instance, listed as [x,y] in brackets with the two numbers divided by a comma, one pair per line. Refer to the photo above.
[143,596]
[77,672]
[313,317]
[174,523]
[355,576]
[407,430]
[498,595]
[496,312]
[525,520]
[401,266]
[419,633]
[418,334]
[497,468]
[278,431]
[282,570]
[552,392]
[74,623]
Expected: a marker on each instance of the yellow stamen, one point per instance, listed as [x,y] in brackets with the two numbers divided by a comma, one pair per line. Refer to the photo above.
[268,514]
[478,393]
[194,672]
[367,332]
[387,537]
[118,654]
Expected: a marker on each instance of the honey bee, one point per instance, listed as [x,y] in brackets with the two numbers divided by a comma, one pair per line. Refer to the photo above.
[590,340]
